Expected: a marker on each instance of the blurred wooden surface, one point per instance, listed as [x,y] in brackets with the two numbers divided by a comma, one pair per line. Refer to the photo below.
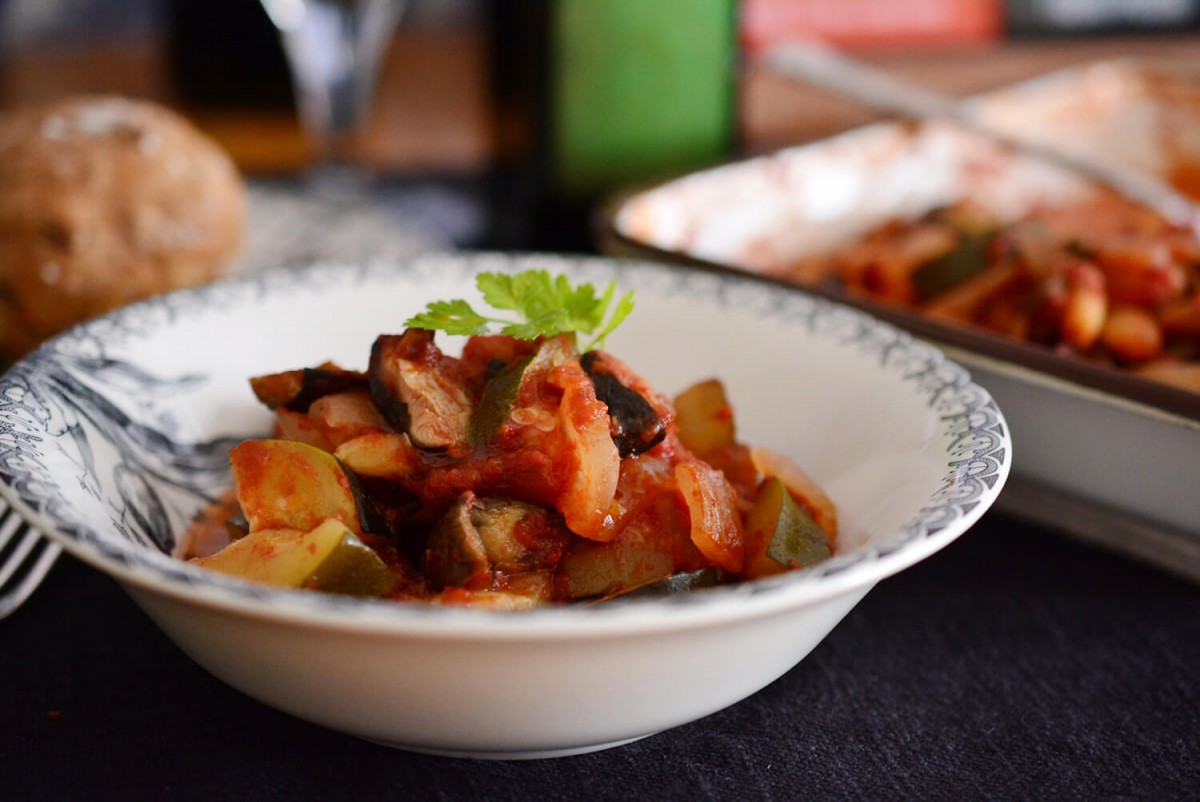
[433,111]
[778,112]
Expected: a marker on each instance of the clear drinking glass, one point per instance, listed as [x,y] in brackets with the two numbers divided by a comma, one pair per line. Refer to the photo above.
[334,49]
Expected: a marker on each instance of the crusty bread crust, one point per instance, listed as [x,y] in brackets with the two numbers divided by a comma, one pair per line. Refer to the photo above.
[103,201]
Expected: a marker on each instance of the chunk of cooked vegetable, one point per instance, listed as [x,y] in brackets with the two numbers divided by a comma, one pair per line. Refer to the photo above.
[716,525]
[328,558]
[637,556]
[298,389]
[704,418]
[592,463]
[683,582]
[635,425]
[331,420]
[499,399]
[802,488]
[455,554]
[781,535]
[517,536]
[493,543]
[417,392]
[383,455]
[513,394]
[283,484]
[967,259]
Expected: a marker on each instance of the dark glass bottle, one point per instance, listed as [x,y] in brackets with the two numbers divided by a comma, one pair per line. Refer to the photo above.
[596,95]
[227,54]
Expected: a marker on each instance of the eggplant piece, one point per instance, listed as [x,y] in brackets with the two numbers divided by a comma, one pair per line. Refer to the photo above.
[496,521]
[540,545]
[478,537]
[635,424]
[415,394]
[383,380]
[296,390]
[455,555]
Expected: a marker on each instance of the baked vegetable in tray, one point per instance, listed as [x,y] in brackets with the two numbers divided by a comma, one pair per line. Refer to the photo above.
[1106,279]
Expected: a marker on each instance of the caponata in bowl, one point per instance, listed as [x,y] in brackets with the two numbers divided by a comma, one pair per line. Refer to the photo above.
[529,469]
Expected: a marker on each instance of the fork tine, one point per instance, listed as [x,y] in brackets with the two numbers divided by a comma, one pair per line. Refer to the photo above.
[17,556]
[29,561]
[10,524]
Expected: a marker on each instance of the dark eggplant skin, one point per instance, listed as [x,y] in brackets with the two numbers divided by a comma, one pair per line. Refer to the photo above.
[455,555]
[636,426]
[413,392]
[296,390]
[371,515]
[382,383]
[316,383]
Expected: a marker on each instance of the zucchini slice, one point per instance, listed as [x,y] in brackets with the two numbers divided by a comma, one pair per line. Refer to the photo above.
[328,558]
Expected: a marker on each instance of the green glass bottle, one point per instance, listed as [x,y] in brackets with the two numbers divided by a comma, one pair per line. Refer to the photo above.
[597,95]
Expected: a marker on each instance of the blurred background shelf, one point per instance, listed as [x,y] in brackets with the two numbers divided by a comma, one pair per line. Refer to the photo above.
[435,111]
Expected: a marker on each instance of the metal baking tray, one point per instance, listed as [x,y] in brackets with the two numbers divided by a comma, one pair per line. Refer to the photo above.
[1099,453]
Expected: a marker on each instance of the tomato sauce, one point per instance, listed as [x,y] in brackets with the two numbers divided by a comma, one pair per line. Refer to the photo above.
[540,507]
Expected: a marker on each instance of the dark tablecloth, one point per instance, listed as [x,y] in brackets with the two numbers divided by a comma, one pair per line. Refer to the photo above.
[1015,664]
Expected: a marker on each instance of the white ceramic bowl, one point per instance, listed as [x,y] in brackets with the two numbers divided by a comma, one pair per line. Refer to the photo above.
[113,435]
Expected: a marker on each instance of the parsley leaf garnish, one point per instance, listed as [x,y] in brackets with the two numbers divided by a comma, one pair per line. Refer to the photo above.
[452,317]
[546,306]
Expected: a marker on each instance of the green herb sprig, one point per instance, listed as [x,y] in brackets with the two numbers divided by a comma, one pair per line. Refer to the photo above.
[547,306]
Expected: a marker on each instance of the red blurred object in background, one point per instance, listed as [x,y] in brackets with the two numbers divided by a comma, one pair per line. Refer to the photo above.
[864,24]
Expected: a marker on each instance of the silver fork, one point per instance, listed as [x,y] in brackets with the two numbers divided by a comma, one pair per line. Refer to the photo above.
[25,559]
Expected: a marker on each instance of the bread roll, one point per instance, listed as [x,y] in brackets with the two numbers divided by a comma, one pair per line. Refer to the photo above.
[103,201]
